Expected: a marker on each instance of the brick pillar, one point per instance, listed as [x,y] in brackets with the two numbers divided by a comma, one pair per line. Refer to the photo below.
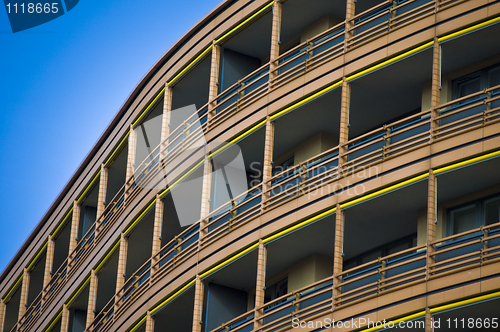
[205,195]
[24,293]
[344,121]
[338,252]
[65,319]
[349,14]
[267,168]
[198,305]
[260,284]
[431,218]
[157,230]
[150,327]
[428,320]
[49,264]
[435,85]
[101,198]
[92,298]
[165,121]
[2,314]
[132,141]
[122,264]
[73,239]
[275,40]
[213,89]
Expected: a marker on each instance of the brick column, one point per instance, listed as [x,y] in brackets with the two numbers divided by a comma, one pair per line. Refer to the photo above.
[198,305]
[349,14]
[73,239]
[122,264]
[150,327]
[213,89]
[431,219]
[65,319]
[344,121]
[101,198]
[24,293]
[275,40]
[267,168]
[260,284]
[2,314]
[205,194]
[165,121]
[132,140]
[338,252]
[49,264]
[435,85]
[157,230]
[92,298]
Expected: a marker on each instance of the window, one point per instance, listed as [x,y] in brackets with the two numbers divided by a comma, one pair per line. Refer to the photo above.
[472,215]
[277,290]
[475,82]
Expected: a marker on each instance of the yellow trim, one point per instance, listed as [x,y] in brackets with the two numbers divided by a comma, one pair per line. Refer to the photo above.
[148,107]
[229,260]
[139,218]
[158,307]
[139,324]
[384,191]
[465,302]
[70,302]
[6,297]
[54,233]
[190,65]
[54,321]
[397,321]
[107,256]
[390,61]
[469,29]
[89,186]
[467,162]
[261,11]
[306,100]
[116,150]
[37,256]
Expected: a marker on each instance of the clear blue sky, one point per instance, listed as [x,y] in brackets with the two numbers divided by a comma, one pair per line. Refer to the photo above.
[61,84]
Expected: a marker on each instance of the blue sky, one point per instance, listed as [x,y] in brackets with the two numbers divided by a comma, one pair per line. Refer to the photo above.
[61,83]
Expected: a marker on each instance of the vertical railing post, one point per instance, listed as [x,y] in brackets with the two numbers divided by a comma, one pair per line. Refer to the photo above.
[267,168]
[338,254]
[49,265]
[213,89]
[122,265]
[101,198]
[65,319]
[435,88]
[91,305]
[24,294]
[431,221]
[150,327]
[132,141]
[260,285]
[349,14]
[198,305]
[344,123]
[275,42]
[157,231]
[73,239]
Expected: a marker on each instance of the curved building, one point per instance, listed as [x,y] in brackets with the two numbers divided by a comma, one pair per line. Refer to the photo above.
[283,166]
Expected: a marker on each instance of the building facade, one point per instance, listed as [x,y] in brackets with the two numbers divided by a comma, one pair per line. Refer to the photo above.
[370,137]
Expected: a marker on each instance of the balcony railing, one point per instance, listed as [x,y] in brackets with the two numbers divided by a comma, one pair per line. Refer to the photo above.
[310,54]
[385,274]
[385,17]
[242,323]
